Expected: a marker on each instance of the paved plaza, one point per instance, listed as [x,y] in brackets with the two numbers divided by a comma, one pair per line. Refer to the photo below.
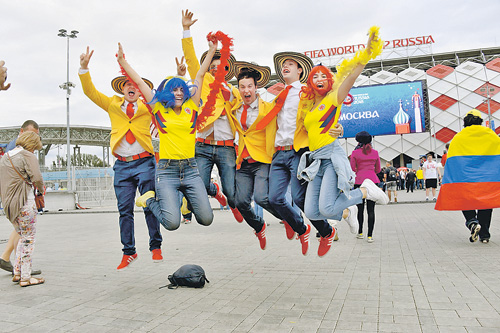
[420,275]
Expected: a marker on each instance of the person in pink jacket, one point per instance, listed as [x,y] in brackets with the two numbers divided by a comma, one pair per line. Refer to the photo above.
[365,162]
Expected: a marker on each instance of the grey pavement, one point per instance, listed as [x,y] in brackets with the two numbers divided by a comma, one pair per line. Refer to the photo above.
[420,275]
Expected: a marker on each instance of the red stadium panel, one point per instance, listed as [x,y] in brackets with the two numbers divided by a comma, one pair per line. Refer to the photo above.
[493,90]
[494,65]
[494,106]
[440,71]
[497,131]
[445,134]
[443,102]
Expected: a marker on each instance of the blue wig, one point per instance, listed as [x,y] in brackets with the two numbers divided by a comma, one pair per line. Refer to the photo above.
[165,92]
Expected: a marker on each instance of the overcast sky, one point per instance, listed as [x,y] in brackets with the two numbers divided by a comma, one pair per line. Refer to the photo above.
[150,32]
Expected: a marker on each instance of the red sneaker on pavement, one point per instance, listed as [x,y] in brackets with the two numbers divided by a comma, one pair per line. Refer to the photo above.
[290,233]
[304,240]
[262,237]
[220,197]
[157,257]
[237,214]
[325,243]
[126,260]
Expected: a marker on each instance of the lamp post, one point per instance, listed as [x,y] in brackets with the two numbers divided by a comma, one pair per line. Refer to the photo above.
[67,86]
[485,91]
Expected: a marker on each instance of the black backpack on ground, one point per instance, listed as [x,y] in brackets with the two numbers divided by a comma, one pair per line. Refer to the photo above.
[187,276]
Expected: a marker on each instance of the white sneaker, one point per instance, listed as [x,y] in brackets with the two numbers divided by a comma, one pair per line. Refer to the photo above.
[352,219]
[370,240]
[374,193]
[360,236]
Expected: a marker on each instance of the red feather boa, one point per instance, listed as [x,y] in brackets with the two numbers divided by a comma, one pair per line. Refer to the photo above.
[216,86]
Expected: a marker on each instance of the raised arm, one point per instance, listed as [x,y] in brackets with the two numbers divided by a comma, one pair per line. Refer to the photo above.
[3,76]
[349,81]
[181,66]
[88,87]
[85,59]
[201,72]
[192,62]
[187,20]
[143,87]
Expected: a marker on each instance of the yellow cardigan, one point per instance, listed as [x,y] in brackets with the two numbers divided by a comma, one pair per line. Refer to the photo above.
[220,103]
[259,143]
[120,122]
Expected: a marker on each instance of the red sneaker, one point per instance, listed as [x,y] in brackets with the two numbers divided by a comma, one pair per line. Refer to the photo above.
[325,243]
[237,214]
[126,260]
[290,233]
[220,197]
[157,257]
[304,240]
[262,237]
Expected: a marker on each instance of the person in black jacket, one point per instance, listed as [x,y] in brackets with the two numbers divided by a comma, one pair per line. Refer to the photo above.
[410,180]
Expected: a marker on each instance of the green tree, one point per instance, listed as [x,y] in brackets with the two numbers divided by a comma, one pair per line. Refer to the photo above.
[83,160]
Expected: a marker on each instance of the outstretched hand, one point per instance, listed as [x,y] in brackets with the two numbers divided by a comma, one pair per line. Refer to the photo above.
[181,66]
[3,76]
[371,39]
[212,45]
[119,54]
[85,59]
[187,19]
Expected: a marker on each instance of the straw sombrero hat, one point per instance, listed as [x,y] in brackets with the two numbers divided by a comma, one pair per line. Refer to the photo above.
[264,72]
[230,63]
[118,82]
[304,62]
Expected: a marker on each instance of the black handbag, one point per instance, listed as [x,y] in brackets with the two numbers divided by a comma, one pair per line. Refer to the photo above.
[187,276]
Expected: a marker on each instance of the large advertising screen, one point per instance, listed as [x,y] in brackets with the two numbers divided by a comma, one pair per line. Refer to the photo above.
[384,109]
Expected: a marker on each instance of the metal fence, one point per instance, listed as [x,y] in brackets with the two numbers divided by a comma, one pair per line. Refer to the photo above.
[94,186]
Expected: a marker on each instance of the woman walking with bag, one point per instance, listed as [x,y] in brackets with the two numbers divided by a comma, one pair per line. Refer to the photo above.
[365,162]
[20,177]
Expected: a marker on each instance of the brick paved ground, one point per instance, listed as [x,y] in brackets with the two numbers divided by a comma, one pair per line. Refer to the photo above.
[420,275]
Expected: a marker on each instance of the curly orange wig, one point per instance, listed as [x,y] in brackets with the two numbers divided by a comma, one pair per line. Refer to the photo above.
[310,89]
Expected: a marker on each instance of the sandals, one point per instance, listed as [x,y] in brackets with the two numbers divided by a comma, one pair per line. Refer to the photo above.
[16,278]
[32,281]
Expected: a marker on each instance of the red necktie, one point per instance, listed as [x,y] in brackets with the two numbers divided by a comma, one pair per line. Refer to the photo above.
[227,96]
[130,113]
[244,117]
[280,100]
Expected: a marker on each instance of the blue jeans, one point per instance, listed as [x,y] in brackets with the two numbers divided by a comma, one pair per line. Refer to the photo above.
[128,177]
[323,199]
[283,173]
[252,179]
[175,178]
[225,159]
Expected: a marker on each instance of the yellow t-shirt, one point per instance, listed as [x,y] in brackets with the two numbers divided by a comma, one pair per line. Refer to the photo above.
[318,121]
[177,132]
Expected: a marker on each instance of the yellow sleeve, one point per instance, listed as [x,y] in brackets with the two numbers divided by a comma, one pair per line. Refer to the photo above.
[91,92]
[236,96]
[192,62]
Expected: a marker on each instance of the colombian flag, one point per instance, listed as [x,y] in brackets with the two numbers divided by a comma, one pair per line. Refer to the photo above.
[472,172]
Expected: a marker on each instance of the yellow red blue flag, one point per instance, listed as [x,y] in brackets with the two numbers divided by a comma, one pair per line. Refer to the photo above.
[472,172]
